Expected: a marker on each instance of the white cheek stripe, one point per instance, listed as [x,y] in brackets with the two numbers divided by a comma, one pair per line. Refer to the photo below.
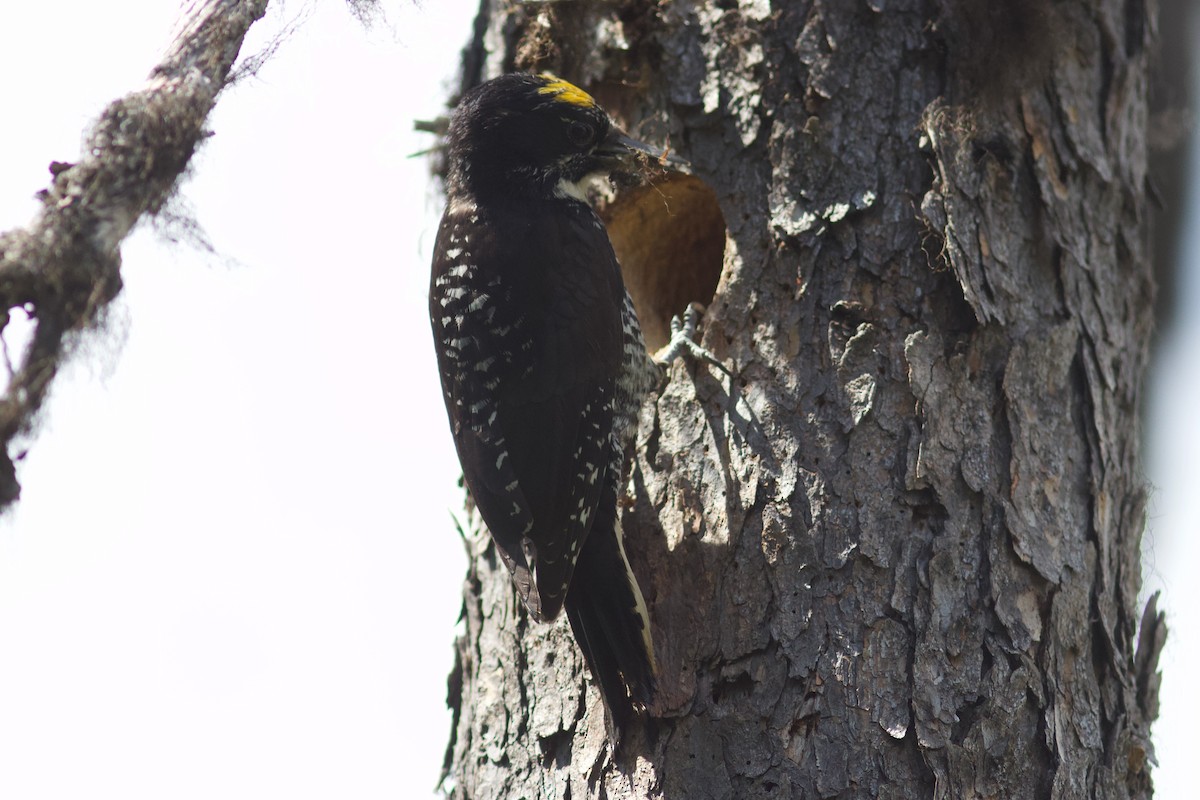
[568,188]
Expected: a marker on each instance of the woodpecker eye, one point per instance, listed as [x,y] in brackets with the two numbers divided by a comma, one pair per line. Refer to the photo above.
[580,134]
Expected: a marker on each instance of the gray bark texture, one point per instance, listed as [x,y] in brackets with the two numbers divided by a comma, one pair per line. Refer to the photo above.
[898,557]
[64,268]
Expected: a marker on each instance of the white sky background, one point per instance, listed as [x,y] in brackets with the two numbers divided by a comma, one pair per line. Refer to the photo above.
[233,571]
[1172,544]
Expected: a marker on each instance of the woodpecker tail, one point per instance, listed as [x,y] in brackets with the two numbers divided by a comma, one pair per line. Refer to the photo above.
[609,619]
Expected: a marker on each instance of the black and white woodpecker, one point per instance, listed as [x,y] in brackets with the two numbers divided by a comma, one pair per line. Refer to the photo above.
[543,364]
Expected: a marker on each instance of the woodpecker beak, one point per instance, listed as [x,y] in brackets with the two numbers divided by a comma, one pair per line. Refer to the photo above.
[619,146]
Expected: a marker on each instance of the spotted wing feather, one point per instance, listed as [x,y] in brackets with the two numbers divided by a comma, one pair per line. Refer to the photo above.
[529,377]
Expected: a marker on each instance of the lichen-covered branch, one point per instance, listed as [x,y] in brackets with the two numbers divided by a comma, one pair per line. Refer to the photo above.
[64,268]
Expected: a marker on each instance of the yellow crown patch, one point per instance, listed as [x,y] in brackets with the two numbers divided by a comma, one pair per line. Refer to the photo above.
[565,92]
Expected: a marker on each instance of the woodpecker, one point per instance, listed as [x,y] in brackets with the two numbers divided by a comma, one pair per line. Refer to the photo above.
[542,361]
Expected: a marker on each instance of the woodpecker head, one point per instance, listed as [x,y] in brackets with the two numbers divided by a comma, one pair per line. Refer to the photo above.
[534,135]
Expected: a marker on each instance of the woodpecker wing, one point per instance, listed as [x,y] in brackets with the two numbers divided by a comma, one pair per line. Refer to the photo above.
[529,320]
[562,466]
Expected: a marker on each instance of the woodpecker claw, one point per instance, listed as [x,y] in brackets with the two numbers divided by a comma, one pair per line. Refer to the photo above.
[683,343]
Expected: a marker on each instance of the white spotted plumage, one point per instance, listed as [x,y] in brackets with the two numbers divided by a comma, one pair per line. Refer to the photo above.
[543,363]
[490,352]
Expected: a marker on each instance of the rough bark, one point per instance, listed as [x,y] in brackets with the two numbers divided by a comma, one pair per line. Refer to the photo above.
[64,268]
[898,556]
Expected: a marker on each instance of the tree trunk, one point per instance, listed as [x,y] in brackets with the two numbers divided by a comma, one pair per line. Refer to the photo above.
[898,556]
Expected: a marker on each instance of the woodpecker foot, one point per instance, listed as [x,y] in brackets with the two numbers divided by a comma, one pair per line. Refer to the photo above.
[683,343]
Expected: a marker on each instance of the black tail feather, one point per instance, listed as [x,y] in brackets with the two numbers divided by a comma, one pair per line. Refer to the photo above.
[607,616]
